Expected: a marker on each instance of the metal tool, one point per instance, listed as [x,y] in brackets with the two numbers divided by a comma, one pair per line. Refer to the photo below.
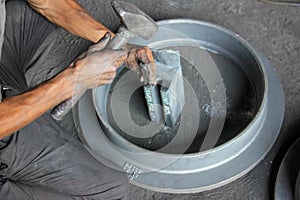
[167,101]
[134,23]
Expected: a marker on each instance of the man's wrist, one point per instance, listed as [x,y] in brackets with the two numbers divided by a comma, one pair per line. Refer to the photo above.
[65,82]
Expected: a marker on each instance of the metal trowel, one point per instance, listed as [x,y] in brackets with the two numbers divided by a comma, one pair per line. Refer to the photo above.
[165,101]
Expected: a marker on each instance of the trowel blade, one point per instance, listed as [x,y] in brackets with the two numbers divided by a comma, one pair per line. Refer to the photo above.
[166,101]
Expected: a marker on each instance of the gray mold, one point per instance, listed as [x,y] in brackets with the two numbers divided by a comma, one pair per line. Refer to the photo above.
[203,170]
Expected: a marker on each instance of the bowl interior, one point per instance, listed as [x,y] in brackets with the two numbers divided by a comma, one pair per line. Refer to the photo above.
[224,87]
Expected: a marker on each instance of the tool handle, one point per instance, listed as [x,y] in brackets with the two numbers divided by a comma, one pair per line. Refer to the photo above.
[61,110]
[118,42]
[120,39]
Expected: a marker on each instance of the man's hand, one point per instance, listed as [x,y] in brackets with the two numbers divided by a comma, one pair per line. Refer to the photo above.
[141,60]
[97,66]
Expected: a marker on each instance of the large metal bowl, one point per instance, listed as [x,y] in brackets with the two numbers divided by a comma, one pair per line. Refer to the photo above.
[192,168]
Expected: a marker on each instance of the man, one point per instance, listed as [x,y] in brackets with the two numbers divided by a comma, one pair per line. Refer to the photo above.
[38,159]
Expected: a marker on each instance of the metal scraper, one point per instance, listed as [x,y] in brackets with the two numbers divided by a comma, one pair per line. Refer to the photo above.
[166,100]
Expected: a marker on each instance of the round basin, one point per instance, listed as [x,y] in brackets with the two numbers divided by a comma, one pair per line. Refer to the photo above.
[232,114]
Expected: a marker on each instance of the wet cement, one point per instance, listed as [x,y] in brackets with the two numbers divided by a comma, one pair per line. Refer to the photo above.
[272,29]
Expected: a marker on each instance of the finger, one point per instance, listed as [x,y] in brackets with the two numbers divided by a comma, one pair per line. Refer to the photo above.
[109,74]
[151,68]
[131,61]
[105,82]
[140,74]
[145,55]
[108,77]
[101,44]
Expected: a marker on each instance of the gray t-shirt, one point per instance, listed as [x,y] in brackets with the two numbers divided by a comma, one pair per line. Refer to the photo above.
[2,23]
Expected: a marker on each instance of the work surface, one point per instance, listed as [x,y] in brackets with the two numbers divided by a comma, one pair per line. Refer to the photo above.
[275,30]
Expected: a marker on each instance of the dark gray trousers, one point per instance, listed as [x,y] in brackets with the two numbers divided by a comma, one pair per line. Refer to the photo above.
[42,161]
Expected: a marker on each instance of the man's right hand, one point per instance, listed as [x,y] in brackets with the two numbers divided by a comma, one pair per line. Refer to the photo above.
[97,66]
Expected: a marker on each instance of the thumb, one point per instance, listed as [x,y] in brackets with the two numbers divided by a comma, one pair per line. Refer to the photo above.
[101,44]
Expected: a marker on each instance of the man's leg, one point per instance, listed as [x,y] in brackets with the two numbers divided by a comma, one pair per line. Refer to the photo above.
[15,191]
[28,38]
[42,155]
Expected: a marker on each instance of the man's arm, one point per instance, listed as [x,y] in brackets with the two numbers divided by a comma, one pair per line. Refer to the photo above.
[69,15]
[18,111]
[94,69]
[90,70]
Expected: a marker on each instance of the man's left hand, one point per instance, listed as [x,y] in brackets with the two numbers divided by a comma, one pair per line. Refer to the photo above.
[140,59]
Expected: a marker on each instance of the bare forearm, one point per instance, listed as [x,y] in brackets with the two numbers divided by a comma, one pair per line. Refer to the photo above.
[71,16]
[18,111]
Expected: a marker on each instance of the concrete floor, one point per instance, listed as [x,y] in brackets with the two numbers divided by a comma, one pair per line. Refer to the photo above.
[274,30]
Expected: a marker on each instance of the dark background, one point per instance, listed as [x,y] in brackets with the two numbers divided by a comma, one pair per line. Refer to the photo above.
[275,30]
